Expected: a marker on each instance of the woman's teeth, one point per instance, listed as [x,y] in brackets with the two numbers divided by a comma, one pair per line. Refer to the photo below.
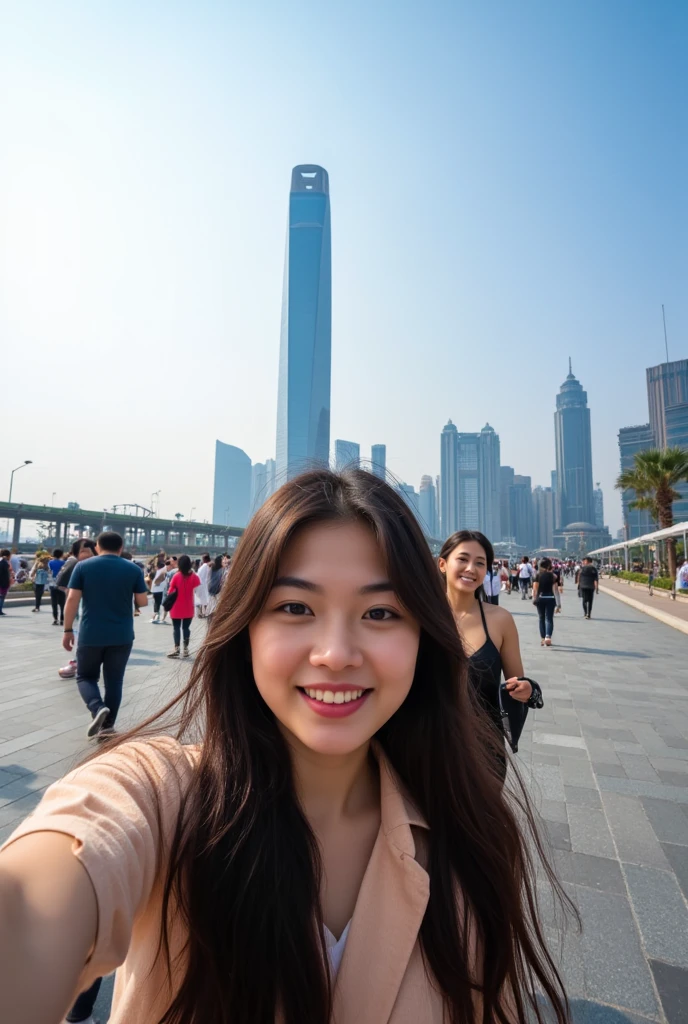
[335,696]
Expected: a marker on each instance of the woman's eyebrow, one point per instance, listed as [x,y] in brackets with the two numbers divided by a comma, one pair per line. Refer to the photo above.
[383,587]
[296,581]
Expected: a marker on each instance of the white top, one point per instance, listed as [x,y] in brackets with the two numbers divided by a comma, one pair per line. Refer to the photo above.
[158,588]
[525,570]
[335,947]
[492,584]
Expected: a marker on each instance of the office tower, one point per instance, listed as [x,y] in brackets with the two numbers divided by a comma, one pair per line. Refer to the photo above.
[259,485]
[378,459]
[347,455]
[303,397]
[543,517]
[488,481]
[408,493]
[232,490]
[667,386]
[270,477]
[469,481]
[555,489]
[506,482]
[637,522]
[449,472]
[598,504]
[427,507]
[573,453]
[521,511]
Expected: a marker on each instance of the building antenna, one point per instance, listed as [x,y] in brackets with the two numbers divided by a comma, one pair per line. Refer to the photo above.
[666,343]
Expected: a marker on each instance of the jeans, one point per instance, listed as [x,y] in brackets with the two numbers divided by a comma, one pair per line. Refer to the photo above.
[545,607]
[57,600]
[587,596]
[179,625]
[83,1007]
[113,658]
[3,595]
[38,593]
[157,602]
[494,599]
[524,583]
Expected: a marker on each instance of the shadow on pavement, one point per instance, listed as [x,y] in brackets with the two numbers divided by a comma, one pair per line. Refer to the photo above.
[598,650]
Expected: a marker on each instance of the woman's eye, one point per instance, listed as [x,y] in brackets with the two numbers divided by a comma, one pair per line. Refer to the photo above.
[381,614]
[295,608]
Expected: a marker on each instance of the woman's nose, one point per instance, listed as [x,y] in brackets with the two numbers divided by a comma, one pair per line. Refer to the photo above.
[336,649]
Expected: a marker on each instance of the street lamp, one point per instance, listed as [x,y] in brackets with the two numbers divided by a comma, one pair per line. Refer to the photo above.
[155,508]
[52,500]
[191,513]
[227,516]
[26,462]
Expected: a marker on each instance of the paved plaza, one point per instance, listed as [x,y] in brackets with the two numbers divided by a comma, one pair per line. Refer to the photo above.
[607,758]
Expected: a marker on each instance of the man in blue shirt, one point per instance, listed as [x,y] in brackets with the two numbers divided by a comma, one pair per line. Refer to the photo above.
[104,586]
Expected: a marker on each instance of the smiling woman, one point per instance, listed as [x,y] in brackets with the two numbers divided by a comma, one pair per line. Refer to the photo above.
[325,850]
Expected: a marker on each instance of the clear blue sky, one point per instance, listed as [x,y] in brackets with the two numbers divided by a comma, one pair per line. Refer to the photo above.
[508,185]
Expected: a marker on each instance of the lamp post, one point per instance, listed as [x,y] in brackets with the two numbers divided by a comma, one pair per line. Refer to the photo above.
[26,462]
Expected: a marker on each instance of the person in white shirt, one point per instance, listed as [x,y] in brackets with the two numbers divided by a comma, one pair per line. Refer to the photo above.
[201,596]
[525,577]
[492,584]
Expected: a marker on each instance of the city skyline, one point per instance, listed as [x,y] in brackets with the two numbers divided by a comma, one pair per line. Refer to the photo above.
[142,182]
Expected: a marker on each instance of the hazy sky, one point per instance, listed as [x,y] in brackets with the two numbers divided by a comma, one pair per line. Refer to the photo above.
[508,187]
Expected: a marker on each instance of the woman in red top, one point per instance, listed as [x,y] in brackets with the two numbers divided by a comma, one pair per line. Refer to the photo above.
[183,583]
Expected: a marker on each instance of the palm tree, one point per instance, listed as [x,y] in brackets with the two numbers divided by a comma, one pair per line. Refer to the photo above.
[653,477]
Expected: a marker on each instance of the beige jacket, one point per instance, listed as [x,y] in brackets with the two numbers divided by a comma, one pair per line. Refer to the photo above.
[108,805]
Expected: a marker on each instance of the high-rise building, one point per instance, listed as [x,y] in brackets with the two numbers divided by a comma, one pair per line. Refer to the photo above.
[598,504]
[543,517]
[427,507]
[521,511]
[232,490]
[347,455]
[408,493]
[667,386]
[303,398]
[637,522]
[259,485]
[449,473]
[469,481]
[573,453]
[555,488]
[506,482]
[488,490]
[270,476]
[378,459]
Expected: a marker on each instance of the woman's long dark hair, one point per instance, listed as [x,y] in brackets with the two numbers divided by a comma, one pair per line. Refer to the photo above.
[461,537]
[244,866]
[184,565]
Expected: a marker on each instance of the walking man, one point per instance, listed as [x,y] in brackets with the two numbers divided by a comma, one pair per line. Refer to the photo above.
[105,586]
[6,575]
[588,580]
[525,576]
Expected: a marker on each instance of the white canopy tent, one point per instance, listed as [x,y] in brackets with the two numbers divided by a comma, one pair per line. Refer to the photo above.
[648,539]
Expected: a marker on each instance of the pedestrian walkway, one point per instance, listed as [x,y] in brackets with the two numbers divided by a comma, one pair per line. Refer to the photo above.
[606,759]
[659,604]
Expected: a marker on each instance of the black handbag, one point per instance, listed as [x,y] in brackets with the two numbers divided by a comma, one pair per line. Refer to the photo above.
[514,712]
[168,603]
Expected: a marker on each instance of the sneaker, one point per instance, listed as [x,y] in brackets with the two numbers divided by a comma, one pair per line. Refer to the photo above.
[68,671]
[97,723]
[55,622]
[185,652]
[174,653]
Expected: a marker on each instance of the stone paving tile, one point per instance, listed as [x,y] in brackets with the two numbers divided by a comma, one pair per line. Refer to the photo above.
[669,821]
[598,873]
[631,787]
[580,796]
[590,832]
[672,985]
[661,913]
[635,839]
[637,766]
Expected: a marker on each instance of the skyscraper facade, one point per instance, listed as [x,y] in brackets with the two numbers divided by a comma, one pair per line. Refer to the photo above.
[232,489]
[573,453]
[488,490]
[347,455]
[449,474]
[410,496]
[378,459]
[270,476]
[469,481]
[521,511]
[667,387]
[427,507]
[598,503]
[303,398]
[637,522]
[543,517]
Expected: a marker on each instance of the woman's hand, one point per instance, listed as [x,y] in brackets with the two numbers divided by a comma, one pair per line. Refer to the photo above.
[519,689]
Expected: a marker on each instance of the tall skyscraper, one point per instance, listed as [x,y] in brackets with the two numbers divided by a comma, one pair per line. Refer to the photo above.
[347,455]
[506,482]
[449,473]
[598,502]
[232,490]
[667,387]
[543,517]
[259,482]
[469,481]
[521,511]
[573,453]
[270,476]
[408,493]
[427,507]
[637,522]
[378,459]
[488,490]
[303,398]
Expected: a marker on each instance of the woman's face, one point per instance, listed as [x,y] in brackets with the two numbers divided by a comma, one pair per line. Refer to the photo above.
[466,566]
[333,651]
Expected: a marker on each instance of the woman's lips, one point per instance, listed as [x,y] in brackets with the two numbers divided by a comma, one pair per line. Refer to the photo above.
[334,701]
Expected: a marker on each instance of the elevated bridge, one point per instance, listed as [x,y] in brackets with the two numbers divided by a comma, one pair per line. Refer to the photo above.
[142,532]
